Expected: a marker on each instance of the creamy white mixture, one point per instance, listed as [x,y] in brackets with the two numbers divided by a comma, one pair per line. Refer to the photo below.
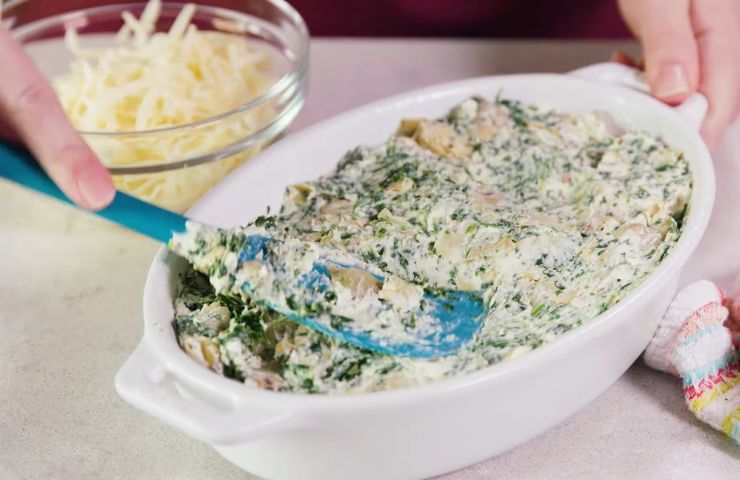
[550,217]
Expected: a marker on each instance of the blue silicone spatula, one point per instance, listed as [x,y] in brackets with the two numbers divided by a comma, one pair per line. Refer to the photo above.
[457,315]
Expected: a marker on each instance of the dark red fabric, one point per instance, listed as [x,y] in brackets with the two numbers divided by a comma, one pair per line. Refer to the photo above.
[426,18]
[464,18]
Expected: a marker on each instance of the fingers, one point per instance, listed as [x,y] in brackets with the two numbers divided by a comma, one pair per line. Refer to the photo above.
[717,30]
[667,36]
[30,108]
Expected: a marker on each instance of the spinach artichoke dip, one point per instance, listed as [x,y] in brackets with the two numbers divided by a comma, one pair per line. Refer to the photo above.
[552,217]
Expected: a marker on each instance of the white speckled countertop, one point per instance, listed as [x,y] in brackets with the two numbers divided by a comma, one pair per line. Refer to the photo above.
[70,314]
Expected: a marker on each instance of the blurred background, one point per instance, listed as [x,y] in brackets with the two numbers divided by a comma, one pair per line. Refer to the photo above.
[575,19]
[464,18]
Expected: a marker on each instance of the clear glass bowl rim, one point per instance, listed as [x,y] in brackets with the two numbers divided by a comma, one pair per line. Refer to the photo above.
[288,80]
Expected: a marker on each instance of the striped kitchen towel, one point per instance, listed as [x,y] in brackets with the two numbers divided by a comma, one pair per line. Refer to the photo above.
[695,342]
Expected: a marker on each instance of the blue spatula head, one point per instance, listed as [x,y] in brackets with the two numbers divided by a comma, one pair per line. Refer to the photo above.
[443,321]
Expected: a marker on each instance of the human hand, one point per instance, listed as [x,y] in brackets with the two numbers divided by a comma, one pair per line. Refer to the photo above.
[30,113]
[689,46]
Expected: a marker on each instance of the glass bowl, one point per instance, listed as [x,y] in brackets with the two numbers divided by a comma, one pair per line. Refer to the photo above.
[215,145]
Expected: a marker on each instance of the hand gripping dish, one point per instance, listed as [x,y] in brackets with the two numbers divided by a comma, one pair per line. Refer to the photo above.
[428,430]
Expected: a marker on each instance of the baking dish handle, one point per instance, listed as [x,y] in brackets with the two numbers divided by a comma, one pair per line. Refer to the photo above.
[691,111]
[143,382]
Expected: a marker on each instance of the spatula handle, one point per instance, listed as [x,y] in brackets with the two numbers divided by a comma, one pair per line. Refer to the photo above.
[18,166]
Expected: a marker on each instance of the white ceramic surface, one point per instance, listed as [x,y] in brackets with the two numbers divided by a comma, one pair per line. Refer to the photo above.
[417,432]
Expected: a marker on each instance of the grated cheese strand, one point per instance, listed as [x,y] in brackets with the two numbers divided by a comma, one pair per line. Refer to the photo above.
[152,80]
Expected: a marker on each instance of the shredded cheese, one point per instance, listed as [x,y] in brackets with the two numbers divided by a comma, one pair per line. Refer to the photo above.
[151,80]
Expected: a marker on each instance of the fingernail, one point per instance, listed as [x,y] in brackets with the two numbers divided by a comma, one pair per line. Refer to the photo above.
[672,80]
[96,187]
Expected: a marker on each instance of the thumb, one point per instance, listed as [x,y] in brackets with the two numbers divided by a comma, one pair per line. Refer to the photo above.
[30,112]
[667,37]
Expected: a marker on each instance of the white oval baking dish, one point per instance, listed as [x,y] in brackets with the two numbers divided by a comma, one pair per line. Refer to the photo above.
[422,431]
